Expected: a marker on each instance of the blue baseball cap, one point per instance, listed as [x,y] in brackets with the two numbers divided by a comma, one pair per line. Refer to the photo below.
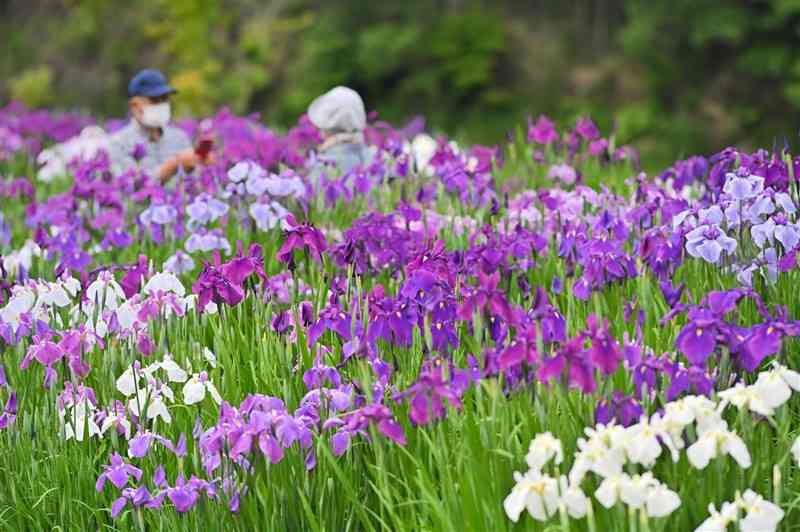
[150,83]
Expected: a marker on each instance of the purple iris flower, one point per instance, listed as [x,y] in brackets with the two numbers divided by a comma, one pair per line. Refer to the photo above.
[435,261]
[242,266]
[575,359]
[205,209]
[604,352]
[434,390]
[376,242]
[766,339]
[672,295]
[9,414]
[391,319]
[282,322]
[118,472]
[692,380]
[213,285]
[686,172]
[131,282]
[521,350]
[333,318]
[487,296]
[698,339]
[604,261]
[768,259]
[552,324]
[139,152]
[647,374]
[319,375]
[158,215]
[184,494]
[357,422]
[443,336]
[302,236]
[619,408]
[564,173]
[139,445]
[424,288]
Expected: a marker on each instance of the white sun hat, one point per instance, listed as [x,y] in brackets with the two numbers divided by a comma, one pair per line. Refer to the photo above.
[339,109]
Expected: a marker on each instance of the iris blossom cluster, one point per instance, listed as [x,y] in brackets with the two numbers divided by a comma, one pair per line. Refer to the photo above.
[452,278]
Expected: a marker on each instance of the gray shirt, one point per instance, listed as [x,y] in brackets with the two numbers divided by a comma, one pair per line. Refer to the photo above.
[346,156]
[123,142]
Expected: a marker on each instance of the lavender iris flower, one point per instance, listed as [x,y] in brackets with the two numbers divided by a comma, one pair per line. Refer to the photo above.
[785,201]
[563,172]
[767,260]
[179,263]
[268,215]
[778,229]
[5,232]
[207,242]
[205,209]
[158,214]
[743,187]
[788,235]
[712,215]
[763,206]
[285,184]
[245,170]
[708,242]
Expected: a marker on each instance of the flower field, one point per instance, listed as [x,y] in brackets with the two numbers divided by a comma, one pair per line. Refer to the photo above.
[532,336]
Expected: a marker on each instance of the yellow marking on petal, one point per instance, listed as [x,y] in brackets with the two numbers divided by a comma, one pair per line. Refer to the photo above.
[699,332]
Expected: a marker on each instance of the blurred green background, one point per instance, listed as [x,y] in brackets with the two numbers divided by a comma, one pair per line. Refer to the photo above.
[676,77]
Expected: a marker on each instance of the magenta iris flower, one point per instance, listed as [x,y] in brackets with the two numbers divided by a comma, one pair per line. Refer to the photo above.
[358,423]
[586,129]
[605,352]
[224,283]
[437,387]
[543,131]
[302,236]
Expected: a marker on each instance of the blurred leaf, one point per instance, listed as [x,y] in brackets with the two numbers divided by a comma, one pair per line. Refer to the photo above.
[33,87]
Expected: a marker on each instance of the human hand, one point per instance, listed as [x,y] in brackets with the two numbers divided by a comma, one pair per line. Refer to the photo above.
[187,159]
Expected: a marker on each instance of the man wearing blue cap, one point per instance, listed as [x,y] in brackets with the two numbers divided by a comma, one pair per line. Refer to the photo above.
[166,148]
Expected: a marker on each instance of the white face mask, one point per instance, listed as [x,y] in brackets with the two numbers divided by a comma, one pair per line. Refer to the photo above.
[156,115]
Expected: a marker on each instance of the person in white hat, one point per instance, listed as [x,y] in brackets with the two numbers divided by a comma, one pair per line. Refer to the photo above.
[339,114]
